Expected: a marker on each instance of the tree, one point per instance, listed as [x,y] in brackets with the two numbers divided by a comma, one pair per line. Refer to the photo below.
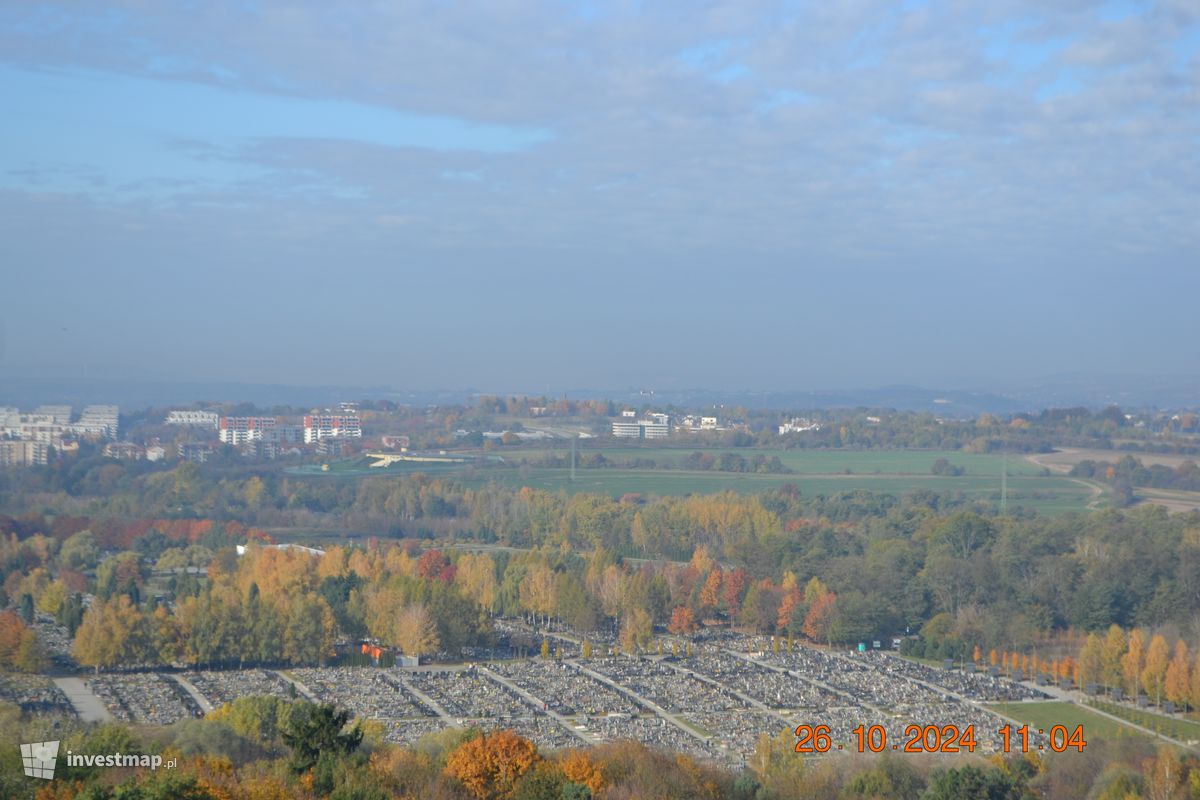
[1133,660]
[972,782]
[735,584]
[476,577]
[1194,684]
[577,767]
[311,730]
[490,766]
[683,621]
[80,551]
[1115,645]
[1091,658]
[711,591]
[1178,683]
[819,620]
[112,633]
[636,630]
[537,591]
[787,607]
[1154,674]
[416,631]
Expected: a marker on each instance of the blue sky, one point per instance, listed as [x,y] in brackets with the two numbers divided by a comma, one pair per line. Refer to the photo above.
[521,195]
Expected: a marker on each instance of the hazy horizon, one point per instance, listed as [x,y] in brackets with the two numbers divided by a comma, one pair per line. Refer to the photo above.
[737,196]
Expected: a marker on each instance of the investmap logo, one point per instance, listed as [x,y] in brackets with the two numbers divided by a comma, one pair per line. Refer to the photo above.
[39,759]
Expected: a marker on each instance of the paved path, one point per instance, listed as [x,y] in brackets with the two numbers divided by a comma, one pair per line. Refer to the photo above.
[300,687]
[432,704]
[720,687]
[849,696]
[192,691]
[538,704]
[88,706]
[642,701]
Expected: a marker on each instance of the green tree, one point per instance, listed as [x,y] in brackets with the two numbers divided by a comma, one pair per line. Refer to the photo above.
[311,730]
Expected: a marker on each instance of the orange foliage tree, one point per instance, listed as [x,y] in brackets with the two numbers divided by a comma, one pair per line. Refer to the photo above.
[683,621]
[489,766]
[578,768]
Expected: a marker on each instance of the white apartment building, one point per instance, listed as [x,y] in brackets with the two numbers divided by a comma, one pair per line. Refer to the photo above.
[331,426]
[15,453]
[239,430]
[208,419]
[98,421]
[60,414]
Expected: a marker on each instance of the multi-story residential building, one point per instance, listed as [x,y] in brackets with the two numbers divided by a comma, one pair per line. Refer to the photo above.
[208,419]
[98,421]
[331,426]
[196,452]
[125,450]
[61,415]
[156,452]
[239,430]
[23,453]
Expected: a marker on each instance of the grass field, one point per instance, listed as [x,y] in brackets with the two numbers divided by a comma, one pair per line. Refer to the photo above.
[1048,714]
[815,472]
[1054,494]
[1175,727]
[811,462]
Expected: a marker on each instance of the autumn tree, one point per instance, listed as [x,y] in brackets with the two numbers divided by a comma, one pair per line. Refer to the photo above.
[577,767]
[819,620]
[476,577]
[636,630]
[683,621]
[490,766]
[1194,684]
[1154,673]
[710,593]
[1115,645]
[1133,661]
[537,591]
[1091,661]
[415,631]
[731,591]
[1177,686]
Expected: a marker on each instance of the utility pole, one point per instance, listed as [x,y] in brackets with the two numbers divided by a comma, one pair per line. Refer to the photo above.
[573,437]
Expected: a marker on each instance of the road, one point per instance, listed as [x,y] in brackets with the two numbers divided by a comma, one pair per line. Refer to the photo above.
[88,706]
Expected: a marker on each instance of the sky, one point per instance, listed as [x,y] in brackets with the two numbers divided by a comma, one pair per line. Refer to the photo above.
[530,196]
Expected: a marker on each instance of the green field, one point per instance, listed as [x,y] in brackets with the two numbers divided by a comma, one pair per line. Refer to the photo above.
[1175,727]
[812,462]
[815,472]
[1048,714]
